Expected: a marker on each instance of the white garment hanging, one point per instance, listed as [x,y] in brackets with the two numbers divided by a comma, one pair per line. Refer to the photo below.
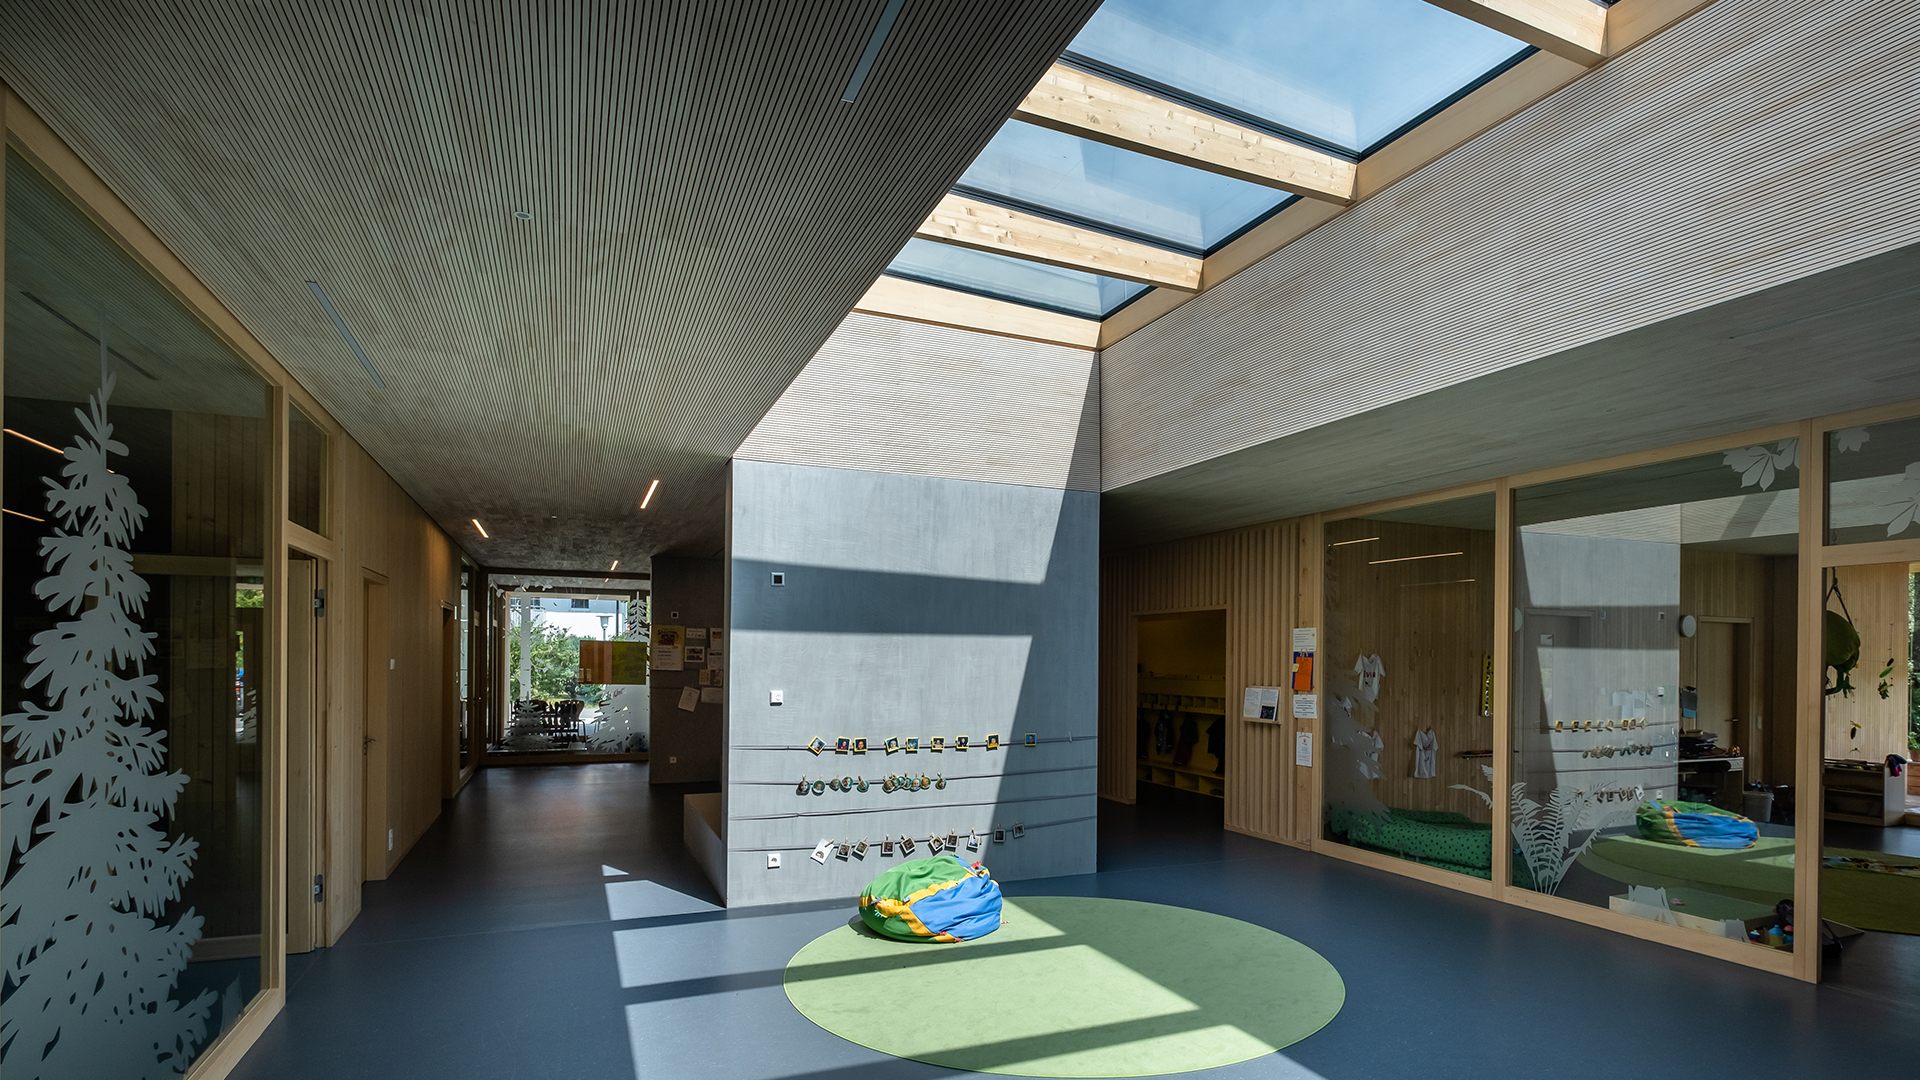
[1368,670]
[1426,748]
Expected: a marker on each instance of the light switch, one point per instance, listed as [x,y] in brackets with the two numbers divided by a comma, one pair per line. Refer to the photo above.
[776,697]
[773,860]
[391,663]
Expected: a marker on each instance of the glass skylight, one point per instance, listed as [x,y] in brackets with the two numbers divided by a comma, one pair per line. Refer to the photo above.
[1132,194]
[1350,73]
[1071,292]
[1345,76]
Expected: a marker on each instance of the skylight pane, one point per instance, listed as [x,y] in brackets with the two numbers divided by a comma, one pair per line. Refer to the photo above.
[1350,73]
[1154,200]
[1071,291]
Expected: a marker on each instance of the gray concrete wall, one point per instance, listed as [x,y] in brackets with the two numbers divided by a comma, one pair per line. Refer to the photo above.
[685,746]
[913,606]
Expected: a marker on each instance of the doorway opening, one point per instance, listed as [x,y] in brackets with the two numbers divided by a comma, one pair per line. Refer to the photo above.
[1180,679]
[574,663]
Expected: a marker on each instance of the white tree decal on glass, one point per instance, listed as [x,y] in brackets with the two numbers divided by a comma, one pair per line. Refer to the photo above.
[90,870]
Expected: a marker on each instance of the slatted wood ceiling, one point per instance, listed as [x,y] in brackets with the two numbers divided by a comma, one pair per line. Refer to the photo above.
[1254,574]
[706,210]
[1672,178]
[896,396]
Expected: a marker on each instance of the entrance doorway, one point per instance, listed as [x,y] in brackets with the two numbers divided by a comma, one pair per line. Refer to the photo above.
[1180,679]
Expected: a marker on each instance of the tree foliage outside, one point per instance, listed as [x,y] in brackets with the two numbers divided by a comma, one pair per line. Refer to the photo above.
[556,665]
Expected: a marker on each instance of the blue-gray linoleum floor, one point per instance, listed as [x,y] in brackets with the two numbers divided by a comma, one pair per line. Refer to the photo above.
[490,954]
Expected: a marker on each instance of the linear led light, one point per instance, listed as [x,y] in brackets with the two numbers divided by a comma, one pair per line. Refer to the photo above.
[1411,558]
[17,513]
[1344,543]
[482,528]
[872,52]
[1424,584]
[340,325]
[649,495]
[615,566]
[35,442]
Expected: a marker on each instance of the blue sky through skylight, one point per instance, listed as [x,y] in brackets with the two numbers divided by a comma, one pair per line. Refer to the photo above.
[1350,72]
[1071,291]
[1152,199]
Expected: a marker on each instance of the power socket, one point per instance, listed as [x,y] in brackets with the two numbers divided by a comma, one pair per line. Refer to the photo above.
[773,860]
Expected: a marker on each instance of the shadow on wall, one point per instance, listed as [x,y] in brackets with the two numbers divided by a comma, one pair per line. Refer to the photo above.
[910,607]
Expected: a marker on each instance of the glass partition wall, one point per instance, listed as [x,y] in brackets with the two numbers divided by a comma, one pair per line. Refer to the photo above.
[1869,880]
[1408,683]
[1653,718]
[137,481]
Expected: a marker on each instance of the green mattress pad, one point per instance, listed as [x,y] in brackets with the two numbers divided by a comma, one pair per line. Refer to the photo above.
[1763,874]
[1454,841]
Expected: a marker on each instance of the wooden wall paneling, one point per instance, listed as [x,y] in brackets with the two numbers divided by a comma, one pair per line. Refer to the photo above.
[375,707]
[1876,595]
[1250,573]
[1309,573]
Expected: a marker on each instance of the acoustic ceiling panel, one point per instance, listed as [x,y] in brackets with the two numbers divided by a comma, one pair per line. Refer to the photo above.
[703,207]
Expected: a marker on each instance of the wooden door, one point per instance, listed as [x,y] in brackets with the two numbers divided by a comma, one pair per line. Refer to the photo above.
[377,663]
[306,770]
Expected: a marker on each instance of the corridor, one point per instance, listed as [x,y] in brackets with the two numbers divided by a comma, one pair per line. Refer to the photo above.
[504,948]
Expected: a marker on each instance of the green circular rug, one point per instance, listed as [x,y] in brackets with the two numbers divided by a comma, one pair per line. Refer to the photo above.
[1071,986]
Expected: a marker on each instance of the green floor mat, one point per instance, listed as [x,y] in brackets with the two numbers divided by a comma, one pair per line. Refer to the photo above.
[1072,986]
[1763,874]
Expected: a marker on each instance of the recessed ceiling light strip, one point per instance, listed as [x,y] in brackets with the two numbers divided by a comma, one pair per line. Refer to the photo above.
[872,53]
[340,325]
[649,496]
[482,528]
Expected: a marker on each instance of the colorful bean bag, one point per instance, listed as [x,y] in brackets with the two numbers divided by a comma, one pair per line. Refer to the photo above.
[939,899]
[1690,824]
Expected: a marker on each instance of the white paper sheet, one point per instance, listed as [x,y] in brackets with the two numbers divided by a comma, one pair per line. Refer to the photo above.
[689,697]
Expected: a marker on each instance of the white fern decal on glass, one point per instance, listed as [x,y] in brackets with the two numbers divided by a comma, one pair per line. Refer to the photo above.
[1757,464]
[89,969]
[1545,833]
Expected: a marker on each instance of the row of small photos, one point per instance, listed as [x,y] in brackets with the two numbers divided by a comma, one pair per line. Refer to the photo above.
[857,849]
[912,746]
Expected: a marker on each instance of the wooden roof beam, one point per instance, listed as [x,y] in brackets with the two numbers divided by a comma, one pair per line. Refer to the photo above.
[983,226]
[1574,29]
[1105,111]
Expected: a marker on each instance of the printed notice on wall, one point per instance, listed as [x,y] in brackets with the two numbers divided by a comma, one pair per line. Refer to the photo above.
[689,697]
[669,644]
[1303,748]
[1306,639]
[1306,707]
[712,695]
[1261,703]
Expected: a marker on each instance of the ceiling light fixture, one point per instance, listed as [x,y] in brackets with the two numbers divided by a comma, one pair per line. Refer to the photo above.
[615,566]
[1344,543]
[523,215]
[482,528]
[1412,558]
[872,51]
[35,441]
[340,325]
[649,495]
[17,513]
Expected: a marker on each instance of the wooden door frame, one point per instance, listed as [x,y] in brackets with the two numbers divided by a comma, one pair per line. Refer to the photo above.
[376,691]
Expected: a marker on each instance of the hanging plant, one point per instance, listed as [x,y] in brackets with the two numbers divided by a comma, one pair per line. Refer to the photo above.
[1843,643]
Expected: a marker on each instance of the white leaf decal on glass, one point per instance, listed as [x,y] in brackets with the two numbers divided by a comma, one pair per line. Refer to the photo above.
[1847,440]
[1907,507]
[1758,465]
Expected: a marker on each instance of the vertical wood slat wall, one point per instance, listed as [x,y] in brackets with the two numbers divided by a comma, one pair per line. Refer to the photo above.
[1251,573]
